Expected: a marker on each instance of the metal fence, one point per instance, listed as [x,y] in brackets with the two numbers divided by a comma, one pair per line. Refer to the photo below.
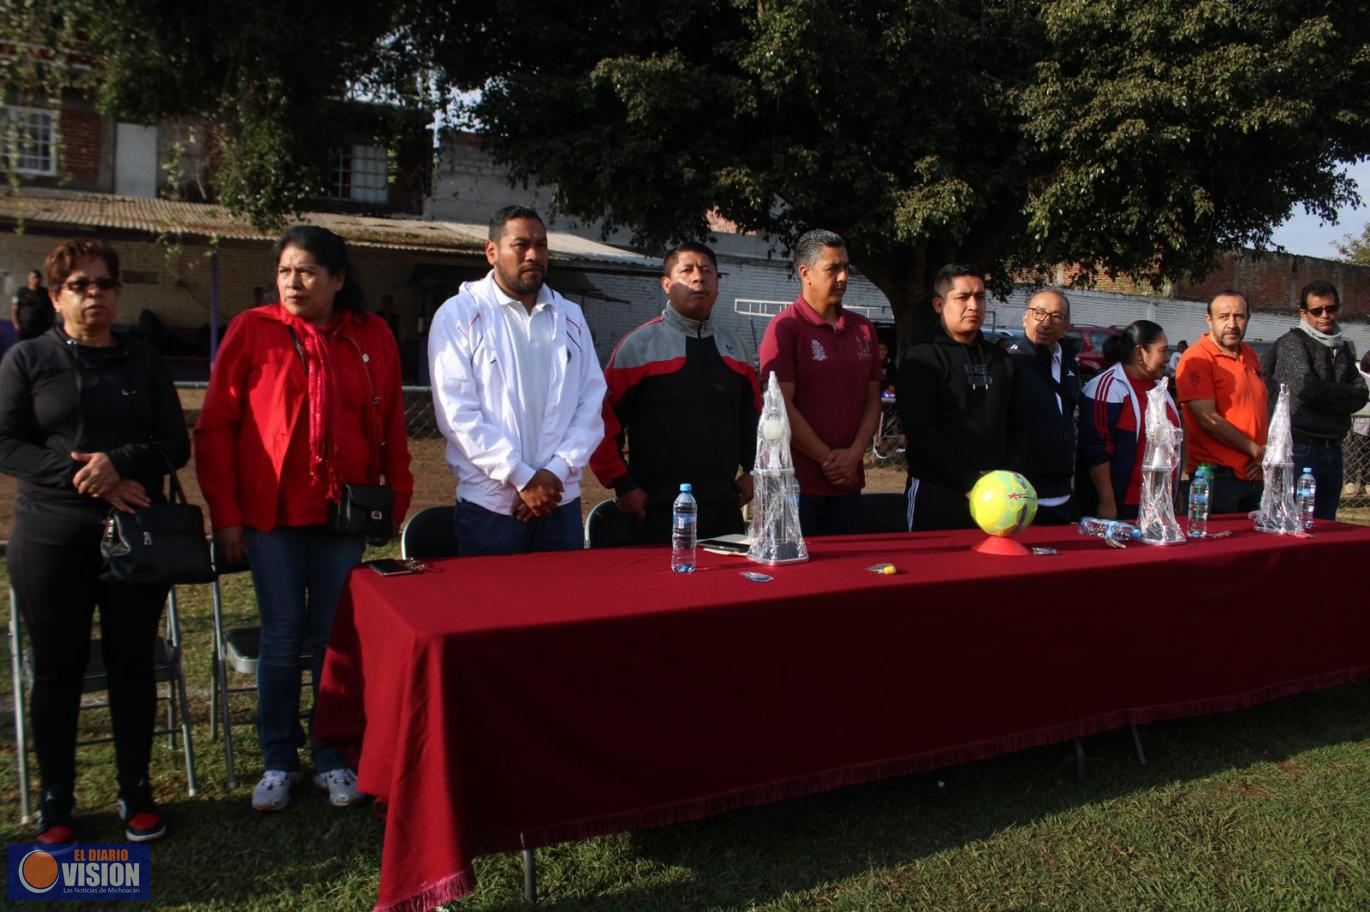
[433,483]
[1355,492]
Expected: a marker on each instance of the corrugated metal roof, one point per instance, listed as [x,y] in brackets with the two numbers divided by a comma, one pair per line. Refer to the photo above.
[42,206]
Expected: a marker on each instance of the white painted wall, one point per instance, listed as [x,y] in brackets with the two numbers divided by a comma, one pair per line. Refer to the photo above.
[1179,319]
[135,160]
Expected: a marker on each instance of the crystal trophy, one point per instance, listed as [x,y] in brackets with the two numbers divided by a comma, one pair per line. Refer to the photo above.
[1160,466]
[775,533]
[1279,513]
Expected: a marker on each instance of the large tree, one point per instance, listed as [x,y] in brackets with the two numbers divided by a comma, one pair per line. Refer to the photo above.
[1137,137]
[1141,137]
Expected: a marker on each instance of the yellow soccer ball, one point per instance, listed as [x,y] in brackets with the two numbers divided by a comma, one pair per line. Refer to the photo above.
[1003,503]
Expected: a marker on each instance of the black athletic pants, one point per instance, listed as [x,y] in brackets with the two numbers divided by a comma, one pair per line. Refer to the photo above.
[54,566]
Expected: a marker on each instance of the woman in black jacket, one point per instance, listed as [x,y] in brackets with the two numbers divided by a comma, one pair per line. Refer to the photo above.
[89,420]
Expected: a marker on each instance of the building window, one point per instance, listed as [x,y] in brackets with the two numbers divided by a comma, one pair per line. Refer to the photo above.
[28,141]
[360,173]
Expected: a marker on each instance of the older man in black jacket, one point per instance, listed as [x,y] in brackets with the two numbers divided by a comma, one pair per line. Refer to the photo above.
[1325,389]
[1042,417]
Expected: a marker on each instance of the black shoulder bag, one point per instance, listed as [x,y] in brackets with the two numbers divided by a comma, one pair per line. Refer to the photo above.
[159,543]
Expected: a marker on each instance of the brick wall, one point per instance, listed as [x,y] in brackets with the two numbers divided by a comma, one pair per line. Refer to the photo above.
[1271,282]
[81,148]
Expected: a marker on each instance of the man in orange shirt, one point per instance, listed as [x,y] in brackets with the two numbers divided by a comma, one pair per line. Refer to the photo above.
[1219,385]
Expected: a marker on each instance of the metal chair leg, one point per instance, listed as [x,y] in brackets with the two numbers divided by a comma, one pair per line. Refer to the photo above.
[21,743]
[1137,743]
[171,688]
[186,744]
[1079,761]
[220,682]
[530,876]
[214,693]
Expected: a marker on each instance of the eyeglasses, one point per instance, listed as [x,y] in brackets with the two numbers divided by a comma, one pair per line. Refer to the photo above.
[1330,310]
[82,285]
[1041,315]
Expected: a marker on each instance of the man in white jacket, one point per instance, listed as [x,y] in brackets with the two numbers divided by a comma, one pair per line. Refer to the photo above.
[518,392]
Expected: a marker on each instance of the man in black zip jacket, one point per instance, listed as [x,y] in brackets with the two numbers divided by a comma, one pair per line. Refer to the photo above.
[1325,389]
[1042,417]
[954,390]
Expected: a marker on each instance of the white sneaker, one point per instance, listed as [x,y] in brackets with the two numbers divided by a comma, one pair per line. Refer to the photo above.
[273,792]
[341,785]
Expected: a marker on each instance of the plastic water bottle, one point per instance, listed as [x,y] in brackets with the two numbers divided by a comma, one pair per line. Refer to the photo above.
[1199,487]
[1304,495]
[684,531]
[1115,529]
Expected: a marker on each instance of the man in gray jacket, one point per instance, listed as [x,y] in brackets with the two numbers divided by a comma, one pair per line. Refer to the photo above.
[1325,389]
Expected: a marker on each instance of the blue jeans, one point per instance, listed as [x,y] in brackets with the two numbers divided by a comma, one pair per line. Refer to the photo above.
[298,574]
[1326,463]
[481,531]
[835,514]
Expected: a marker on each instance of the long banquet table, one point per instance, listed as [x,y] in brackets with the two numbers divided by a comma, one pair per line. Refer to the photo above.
[500,702]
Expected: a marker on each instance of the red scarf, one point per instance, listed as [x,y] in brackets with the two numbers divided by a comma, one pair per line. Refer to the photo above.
[323,417]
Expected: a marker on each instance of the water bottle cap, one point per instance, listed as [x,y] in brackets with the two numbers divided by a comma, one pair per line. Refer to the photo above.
[1308,469]
[686,488]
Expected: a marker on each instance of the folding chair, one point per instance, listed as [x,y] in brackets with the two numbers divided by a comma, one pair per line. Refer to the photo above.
[235,649]
[607,527]
[431,532]
[167,669]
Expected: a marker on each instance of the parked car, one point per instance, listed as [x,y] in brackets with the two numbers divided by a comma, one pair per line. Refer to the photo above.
[1260,346]
[1005,337]
[1089,347]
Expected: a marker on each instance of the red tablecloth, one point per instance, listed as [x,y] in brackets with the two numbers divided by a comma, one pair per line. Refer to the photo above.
[567,695]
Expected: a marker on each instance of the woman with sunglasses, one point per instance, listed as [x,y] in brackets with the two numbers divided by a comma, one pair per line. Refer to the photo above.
[89,420]
[1325,389]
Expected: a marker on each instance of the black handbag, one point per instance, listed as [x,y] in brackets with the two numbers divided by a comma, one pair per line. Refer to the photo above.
[160,543]
[364,510]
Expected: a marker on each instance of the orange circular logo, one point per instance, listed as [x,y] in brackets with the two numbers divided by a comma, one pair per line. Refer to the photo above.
[38,871]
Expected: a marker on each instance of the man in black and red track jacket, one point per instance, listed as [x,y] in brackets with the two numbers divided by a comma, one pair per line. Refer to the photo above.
[683,393]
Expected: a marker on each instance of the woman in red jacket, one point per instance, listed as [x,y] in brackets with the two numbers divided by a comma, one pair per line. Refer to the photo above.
[304,398]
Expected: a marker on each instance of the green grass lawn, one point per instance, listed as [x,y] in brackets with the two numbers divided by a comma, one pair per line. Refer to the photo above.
[1268,808]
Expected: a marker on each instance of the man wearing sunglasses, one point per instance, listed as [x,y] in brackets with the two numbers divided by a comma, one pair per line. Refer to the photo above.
[1325,389]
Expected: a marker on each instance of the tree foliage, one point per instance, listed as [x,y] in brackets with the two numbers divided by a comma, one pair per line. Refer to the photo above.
[1137,137]
[264,80]
[1356,249]
[1134,137]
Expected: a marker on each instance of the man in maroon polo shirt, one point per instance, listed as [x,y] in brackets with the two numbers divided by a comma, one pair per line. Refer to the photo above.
[827,361]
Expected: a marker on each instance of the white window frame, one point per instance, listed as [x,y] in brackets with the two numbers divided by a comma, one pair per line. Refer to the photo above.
[370,174]
[360,173]
[8,113]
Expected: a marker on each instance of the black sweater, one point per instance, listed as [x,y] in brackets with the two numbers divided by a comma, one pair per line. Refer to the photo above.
[956,429]
[57,396]
[1325,388]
